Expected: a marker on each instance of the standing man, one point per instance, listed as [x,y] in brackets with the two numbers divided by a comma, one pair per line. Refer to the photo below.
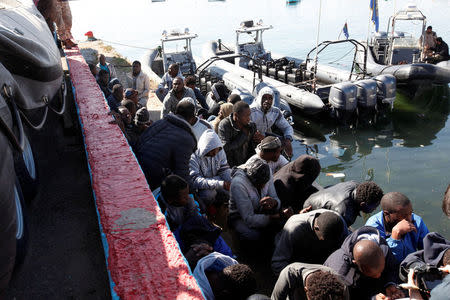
[64,23]
[140,82]
[178,92]
[166,83]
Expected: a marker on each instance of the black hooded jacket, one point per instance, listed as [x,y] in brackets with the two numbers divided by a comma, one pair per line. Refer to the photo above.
[362,287]
[340,198]
[434,247]
[293,181]
[166,147]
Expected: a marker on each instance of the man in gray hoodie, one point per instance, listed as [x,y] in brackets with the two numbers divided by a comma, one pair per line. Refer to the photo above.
[254,204]
[209,171]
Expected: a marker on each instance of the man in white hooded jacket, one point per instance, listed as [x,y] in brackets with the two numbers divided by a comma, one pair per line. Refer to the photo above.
[209,170]
[264,115]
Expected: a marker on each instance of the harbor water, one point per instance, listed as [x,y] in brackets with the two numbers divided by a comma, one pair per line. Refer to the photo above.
[408,152]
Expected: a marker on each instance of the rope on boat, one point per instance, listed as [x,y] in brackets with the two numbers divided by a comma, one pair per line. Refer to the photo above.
[334,61]
[126,45]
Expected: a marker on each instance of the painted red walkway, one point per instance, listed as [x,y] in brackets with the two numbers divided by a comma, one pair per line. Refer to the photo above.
[143,258]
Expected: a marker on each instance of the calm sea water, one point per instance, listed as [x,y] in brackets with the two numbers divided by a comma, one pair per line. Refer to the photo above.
[408,153]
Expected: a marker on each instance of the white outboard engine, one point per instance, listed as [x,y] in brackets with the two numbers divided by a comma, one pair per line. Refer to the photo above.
[366,95]
[386,91]
[343,101]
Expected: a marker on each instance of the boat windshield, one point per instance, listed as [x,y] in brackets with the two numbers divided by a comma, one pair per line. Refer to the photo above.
[406,42]
[176,46]
[251,37]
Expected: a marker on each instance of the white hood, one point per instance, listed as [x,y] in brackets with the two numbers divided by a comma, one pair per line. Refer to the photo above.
[264,91]
[207,142]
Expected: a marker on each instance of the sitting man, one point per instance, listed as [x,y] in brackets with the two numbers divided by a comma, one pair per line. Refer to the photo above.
[215,97]
[293,182]
[190,83]
[140,82]
[166,146]
[254,203]
[209,171]
[301,281]
[142,120]
[103,81]
[309,238]
[269,150]
[131,107]
[175,202]
[198,237]
[103,65]
[222,278]
[265,116]
[114,100]
[239,135]
[347,199]
[440,52]
[366,265]
[132,94]
[178,92]
[399,226]
[166,83]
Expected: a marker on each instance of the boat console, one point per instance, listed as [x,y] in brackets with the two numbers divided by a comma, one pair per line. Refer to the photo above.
[164,56]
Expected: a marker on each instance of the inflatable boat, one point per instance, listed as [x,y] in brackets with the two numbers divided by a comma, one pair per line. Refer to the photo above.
[156,62]
[294,80]
[31,77]
[400,53]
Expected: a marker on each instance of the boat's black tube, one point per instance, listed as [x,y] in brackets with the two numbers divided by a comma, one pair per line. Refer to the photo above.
[405,73]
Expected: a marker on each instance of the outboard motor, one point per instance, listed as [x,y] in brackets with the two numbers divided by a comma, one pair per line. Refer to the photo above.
[386,91]
[366,95]
[343,101]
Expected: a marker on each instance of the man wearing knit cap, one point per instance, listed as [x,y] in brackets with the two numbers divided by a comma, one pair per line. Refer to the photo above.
[265,116]
[142,120]
[269,150]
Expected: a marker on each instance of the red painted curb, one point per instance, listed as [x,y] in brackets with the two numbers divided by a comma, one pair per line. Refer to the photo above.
[143,257]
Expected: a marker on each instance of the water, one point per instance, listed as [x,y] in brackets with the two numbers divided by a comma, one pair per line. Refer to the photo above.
[408,153]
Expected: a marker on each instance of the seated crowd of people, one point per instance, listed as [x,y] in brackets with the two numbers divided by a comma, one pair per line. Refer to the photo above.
[216,152]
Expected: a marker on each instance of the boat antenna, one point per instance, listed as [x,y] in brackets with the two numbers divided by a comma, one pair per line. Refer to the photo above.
[317,46]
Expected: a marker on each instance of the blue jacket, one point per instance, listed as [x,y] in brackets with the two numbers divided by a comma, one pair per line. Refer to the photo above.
[410,243]
[166,148]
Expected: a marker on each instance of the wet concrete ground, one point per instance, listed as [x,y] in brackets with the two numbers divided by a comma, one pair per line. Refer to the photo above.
[65,257]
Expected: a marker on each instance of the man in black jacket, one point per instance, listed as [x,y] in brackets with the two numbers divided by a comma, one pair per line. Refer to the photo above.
[440,52]
[239,135]
[347,199]
[366,265]
[167,145]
